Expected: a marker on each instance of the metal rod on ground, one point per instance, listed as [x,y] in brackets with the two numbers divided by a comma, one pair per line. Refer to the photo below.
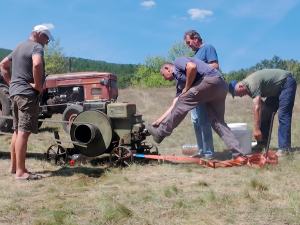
[270,134]
[47,139]
[41,120]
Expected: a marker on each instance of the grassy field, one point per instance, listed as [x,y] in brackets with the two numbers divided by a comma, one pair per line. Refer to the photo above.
[169,193]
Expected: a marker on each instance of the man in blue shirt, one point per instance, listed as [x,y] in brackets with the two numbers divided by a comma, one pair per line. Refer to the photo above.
[202,127]
[204,84]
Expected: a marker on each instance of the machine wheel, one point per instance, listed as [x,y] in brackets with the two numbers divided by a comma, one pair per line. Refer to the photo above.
[69,115]
[5,110]
[57,154]
[120,157]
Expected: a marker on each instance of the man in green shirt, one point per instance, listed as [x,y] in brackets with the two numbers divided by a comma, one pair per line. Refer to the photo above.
[279,88]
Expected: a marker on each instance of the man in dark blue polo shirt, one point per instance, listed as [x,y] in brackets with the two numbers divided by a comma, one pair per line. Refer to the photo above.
[204,84]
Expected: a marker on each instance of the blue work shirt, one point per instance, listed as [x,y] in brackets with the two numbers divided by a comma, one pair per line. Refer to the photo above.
[179,72]
[207,53]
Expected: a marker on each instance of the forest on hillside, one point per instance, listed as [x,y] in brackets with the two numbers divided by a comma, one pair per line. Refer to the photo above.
[57,62]
[147,74]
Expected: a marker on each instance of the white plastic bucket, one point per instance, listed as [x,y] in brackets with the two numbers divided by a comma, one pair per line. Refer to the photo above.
[237,126]
[245,139]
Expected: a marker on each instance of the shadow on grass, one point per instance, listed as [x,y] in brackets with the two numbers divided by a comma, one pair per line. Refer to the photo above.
[225,155]
[88,168]
[37,155]
[293,150]
[66,171]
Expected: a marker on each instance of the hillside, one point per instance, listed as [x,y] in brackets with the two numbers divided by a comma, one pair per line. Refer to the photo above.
[4,52]
[123,71]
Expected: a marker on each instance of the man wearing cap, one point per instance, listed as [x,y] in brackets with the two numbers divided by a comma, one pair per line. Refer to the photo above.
[279,88]
[207,53]
[204,84]
[25,85]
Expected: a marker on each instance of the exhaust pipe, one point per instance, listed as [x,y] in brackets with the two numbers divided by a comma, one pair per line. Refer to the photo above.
[85,133]
[69,66]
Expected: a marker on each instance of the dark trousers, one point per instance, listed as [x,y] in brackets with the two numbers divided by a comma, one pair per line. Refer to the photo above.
[212,91]
[284,103]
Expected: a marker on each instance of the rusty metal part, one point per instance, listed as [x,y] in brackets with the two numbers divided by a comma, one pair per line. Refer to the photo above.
[57,154]
[149,148]
[121,157]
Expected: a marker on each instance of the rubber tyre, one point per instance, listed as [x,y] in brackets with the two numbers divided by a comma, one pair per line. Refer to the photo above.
[68,112]
[5,124]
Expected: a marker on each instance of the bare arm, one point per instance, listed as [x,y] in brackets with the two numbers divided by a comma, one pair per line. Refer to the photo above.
[37,70]
[191,70]
[214,64]
[5,70]
[160,119]
[257,118]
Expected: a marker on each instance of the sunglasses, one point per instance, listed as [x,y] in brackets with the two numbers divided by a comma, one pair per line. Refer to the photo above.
[46,37]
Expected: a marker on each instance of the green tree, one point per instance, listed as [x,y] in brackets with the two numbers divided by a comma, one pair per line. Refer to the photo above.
[55,60]
[179,49]
[148,75]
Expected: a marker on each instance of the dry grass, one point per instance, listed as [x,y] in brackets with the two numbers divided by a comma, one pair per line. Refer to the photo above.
[155,193]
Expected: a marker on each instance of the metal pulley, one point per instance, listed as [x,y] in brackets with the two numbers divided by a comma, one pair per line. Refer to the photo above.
[93,131]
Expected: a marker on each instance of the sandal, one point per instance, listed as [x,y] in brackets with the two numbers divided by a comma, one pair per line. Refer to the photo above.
[31,176]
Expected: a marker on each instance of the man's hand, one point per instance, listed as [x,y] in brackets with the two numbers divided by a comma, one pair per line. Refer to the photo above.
[5,65]
[156,123]
[183,91]
[38,88]
[257,135]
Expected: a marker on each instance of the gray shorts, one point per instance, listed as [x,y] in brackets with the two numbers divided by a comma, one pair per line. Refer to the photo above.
[25,110]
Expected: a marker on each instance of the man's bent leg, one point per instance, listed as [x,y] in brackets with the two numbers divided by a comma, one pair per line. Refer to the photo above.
[216,111]
[194,97]
[216,115]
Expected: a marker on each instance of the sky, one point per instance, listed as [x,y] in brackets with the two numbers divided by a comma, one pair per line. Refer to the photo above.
[243,32]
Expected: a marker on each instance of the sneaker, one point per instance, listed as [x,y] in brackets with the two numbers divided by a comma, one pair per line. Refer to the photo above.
[202,156]
[280,152]
[197,155]
[152,130]
[209,157]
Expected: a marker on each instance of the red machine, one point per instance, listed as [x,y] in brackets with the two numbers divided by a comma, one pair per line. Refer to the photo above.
[66,94]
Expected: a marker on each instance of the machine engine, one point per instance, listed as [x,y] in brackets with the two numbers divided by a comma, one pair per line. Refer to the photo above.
[105,125]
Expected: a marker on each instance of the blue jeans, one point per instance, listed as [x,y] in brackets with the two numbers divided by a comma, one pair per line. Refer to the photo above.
[202,130]
[284,103]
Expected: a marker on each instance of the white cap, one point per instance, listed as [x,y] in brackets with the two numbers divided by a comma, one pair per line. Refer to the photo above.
[43,29]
